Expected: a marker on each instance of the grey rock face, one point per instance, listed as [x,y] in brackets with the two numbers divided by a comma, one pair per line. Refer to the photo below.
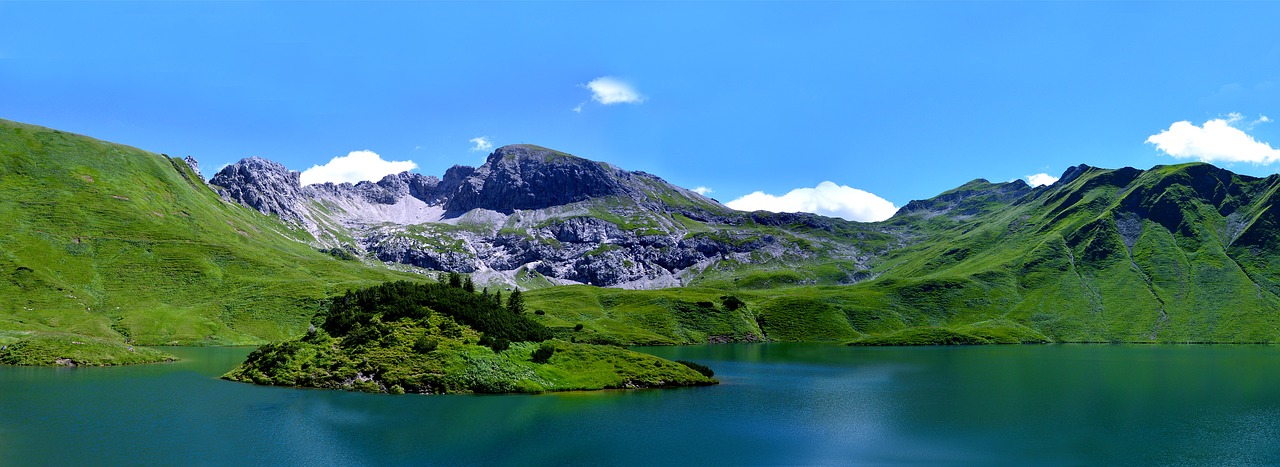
[527,208]
[195,165]
[531,177]
[263,185]
[391,189]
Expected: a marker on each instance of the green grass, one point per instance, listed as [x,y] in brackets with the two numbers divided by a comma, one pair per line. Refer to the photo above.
[922,336]
[529,279]
[62,349]
[109,241]
[801,319]
[648,317]
[1003,331]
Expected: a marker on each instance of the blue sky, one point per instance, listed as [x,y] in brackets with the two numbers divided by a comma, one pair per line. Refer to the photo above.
[901,100]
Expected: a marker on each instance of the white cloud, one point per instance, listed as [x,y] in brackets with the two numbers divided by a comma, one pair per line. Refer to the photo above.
[354,167]
[1236,119]
[608,90]
[1218,140]
[578,108]
[702,190]
[1041,179]
[827,199]
[481,143]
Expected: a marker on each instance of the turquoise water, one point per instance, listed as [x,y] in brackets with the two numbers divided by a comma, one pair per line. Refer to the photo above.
[777,404]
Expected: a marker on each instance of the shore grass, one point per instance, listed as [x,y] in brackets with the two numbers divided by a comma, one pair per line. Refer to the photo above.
[61,349]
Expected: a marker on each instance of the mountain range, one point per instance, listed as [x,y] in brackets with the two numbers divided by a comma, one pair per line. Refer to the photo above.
[115,242]
[534,216]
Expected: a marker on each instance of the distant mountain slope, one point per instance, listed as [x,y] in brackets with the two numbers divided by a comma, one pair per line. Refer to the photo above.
[1181,253]
[532,217]
[108,240]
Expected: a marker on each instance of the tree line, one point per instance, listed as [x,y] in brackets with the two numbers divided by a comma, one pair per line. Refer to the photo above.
[454,296]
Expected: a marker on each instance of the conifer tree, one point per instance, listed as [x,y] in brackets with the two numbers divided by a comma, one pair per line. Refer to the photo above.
[515,303]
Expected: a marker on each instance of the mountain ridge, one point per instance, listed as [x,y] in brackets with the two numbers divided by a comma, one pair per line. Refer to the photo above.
[528,210]
[114,242]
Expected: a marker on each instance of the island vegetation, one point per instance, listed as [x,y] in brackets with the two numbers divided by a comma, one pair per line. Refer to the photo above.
[430,338]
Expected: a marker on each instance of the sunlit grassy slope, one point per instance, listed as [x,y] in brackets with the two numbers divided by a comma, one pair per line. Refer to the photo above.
[1184,253]
[111,241]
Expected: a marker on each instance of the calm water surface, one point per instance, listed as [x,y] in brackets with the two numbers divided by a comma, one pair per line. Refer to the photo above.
[778,404]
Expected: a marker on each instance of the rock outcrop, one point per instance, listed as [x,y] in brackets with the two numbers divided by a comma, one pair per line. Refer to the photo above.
[530,211]
[531,177]
[264,185]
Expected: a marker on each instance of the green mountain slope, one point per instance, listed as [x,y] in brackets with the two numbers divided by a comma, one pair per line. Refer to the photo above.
[1183,253]
[1175,254]
[111,241]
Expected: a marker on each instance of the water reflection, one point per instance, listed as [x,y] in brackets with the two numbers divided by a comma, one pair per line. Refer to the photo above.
[778,404]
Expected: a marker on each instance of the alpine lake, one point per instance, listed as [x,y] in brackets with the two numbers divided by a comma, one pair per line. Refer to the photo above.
[776,404]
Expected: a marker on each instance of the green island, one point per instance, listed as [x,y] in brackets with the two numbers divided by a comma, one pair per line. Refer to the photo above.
[434,338]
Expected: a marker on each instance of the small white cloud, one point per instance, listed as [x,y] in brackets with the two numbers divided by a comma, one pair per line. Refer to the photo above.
[702,190]
[1040,179]
[578,108]
[1218,140]
[481,143]
[608,90]
[827,199]
[355,167]
[1262,119]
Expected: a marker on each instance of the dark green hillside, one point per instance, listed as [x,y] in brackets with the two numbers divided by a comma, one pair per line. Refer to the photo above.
[1175,254]
[436,338]
[110,241]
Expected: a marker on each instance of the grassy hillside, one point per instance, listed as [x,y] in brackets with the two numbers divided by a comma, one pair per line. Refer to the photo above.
[58,349]
[1184,253]
[434,338]
[834,314]
[1174,254]
[110,241]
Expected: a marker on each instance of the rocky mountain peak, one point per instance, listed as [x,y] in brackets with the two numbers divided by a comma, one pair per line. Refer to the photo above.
[261,184]
[966,200]
[527,153]
[525,176]
[1072,173]
[636,235]
[389,190]
[195,166]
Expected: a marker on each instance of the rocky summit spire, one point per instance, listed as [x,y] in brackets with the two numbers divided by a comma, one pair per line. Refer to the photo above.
[263,185]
